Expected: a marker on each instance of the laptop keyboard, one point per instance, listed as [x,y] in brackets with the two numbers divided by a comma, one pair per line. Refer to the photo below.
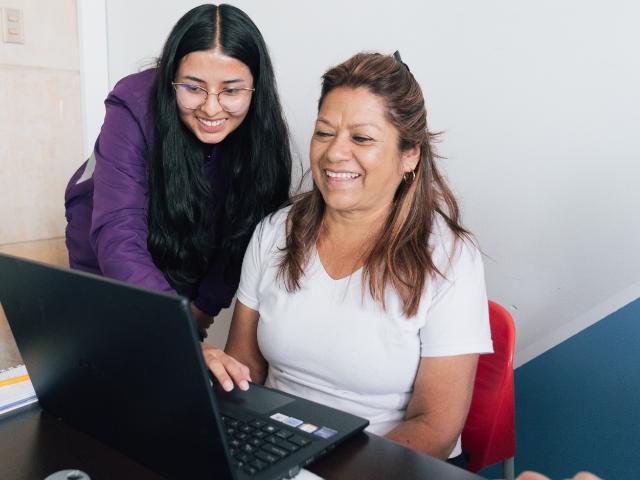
[257,443]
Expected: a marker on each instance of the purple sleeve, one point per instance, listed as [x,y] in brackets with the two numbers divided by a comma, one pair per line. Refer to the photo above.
[119,223]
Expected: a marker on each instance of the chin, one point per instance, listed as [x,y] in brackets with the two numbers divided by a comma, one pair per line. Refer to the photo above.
[211,138]
[340,205]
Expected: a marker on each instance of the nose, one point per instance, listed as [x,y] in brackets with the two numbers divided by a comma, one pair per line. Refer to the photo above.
[339,149]
[211,105]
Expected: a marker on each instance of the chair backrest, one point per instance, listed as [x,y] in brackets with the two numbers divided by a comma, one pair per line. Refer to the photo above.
[489,434]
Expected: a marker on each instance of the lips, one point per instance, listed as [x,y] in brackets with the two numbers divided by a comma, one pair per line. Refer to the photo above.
[211,126]
[341,175]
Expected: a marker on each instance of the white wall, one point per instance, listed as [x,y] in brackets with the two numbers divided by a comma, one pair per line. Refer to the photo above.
[540,110]
[94,68]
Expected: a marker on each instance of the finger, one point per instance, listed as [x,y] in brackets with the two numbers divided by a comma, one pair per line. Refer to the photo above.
[238,371]
[213,358]
[220,373]
[226,368]
[207,348]
[585,476]
[531,476]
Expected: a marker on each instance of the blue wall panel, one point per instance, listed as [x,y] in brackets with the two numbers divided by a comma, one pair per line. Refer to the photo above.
[578,404]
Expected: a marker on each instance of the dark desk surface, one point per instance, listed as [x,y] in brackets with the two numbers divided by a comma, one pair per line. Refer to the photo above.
[34,444]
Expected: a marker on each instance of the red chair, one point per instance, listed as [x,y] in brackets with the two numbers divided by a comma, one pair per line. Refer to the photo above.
[489,434]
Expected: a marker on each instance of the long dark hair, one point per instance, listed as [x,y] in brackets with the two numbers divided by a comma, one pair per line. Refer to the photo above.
[400,256]
[257,158]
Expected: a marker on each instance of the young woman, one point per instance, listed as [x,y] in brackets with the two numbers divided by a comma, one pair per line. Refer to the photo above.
[367,294]
[191,156]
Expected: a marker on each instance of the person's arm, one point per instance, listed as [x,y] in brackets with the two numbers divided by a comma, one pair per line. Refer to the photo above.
[439,404]
[241,360]
[119,221]
[455,332]
[242,342]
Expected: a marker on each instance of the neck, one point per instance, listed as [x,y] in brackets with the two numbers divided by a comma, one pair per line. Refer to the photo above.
[353,223]
[346,238]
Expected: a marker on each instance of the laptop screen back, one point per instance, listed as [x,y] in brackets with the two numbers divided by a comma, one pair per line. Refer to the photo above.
[91,343]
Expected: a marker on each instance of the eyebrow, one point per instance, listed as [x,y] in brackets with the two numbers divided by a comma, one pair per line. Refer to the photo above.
[235,80]
[353,125]
[225,82]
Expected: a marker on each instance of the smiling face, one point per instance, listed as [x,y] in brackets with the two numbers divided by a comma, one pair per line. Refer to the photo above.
[355,159]
[213,71]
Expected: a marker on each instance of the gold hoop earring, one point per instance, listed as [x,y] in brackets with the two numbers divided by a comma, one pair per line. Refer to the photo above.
[409,177]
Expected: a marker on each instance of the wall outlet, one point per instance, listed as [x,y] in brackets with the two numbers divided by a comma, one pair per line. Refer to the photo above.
[12,25]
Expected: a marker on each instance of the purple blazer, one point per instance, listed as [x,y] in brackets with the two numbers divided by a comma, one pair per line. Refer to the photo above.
[106,200]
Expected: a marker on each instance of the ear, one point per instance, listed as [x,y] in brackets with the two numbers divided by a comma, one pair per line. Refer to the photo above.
[410,158]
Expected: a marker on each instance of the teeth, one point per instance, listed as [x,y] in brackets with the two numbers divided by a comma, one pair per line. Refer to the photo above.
[341,174]
[212,123]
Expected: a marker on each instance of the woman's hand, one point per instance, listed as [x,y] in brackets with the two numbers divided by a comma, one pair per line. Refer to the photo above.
[226,369]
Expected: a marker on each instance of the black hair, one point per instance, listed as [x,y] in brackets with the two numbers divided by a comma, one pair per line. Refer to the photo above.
[183,239]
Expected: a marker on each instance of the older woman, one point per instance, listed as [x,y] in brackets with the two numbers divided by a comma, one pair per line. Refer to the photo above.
[366,294]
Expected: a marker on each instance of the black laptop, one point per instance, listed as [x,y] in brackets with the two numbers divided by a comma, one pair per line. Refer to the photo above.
[124,364]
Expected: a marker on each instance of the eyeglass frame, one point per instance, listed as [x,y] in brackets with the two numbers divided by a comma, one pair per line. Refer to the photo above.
[207,92]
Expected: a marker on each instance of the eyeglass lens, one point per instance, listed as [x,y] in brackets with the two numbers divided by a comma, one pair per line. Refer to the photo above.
[231,100]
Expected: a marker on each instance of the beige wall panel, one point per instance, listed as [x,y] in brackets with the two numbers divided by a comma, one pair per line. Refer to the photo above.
[40,136]
[52,251]
[40,147]
[50,35]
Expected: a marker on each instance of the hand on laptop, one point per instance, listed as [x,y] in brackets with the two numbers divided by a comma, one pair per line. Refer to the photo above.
[227,370]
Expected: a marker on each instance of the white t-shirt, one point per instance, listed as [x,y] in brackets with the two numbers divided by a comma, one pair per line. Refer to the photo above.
[328,343]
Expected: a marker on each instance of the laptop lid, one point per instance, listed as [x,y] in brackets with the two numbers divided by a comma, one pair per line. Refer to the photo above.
[94,350]
[124,364]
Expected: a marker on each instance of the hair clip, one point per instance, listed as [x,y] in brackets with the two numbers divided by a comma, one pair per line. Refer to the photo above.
[398,59]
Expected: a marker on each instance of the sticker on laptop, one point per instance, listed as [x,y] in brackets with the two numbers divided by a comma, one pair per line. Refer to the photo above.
[293,422]
[308,427]
[325,432]
[279,417]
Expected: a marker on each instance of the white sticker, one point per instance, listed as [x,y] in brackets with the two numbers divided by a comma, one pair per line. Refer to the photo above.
[279,417]
[308,427]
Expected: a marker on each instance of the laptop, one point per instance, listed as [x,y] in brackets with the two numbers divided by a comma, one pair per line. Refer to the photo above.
[124,365]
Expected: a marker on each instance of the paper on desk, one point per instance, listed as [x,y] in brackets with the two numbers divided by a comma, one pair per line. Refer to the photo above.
[306,475]
[16,389]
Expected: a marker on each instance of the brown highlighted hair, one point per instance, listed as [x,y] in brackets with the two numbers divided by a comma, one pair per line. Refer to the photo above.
[400,256]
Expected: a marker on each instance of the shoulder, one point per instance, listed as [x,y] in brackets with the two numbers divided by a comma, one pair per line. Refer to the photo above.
[134,86]
[127,110]
[134,91]
[270,234]
[273,227]
[450,252]
[268,240]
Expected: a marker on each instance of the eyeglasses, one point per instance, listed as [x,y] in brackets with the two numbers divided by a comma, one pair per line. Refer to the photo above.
[232,100]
